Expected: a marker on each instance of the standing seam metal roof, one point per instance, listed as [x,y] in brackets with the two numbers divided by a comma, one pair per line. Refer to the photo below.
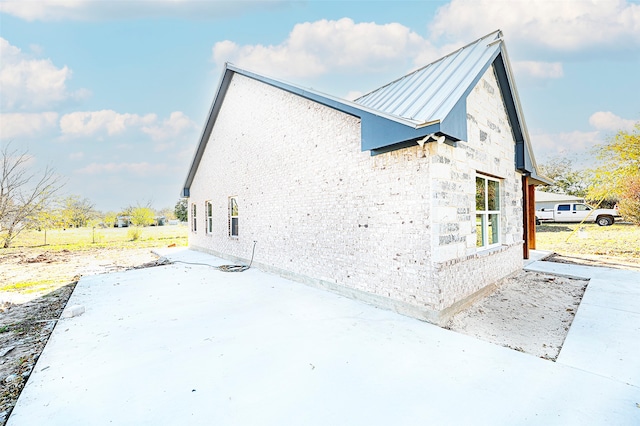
[429,100]
[430,93]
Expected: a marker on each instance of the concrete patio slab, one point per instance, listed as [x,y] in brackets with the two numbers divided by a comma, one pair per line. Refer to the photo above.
[187,344]
[604,337]
[604,341]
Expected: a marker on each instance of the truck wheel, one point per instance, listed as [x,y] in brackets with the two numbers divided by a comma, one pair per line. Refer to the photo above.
[537,221]
[604,220]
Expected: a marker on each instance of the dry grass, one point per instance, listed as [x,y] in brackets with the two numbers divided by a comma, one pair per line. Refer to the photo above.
[90,238]
[619,241]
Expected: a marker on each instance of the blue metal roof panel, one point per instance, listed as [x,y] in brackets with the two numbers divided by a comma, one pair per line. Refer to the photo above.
[430,93]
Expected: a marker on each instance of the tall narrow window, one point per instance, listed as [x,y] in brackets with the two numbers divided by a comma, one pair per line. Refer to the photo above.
[233,217]
[208,208]
[193,217]
[487,212]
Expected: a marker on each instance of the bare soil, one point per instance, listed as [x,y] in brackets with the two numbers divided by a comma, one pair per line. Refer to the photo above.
[596,260]
[28,314]
[529,312]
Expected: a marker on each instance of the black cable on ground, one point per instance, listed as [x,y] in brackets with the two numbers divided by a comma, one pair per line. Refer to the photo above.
[225,268]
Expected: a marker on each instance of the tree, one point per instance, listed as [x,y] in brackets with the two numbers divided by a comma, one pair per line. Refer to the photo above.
[46,219]
[109,219]
[142,216]
[168,213]
[630,201]
[618,174]
[181,210]
[23,195]
[566,179]
[76,212]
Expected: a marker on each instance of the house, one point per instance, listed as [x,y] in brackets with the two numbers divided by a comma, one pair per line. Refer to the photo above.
[416,197]
[548,200]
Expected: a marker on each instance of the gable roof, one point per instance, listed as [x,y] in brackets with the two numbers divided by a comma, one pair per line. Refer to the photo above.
[430,100]
[432,92]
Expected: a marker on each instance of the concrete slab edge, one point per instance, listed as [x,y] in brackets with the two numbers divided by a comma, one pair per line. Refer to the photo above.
[428,315]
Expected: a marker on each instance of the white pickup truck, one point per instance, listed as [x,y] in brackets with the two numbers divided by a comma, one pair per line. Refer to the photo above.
[577,212]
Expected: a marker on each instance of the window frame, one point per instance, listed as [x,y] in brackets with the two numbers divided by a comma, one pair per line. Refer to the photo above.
[208,216]
[581,207]
[486,214]
[194,215]
[233,227]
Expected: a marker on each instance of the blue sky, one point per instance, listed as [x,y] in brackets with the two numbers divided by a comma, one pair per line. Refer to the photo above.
[114,94]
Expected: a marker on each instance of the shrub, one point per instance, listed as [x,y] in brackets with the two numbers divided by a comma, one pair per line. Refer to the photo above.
[134,233]
[630,201]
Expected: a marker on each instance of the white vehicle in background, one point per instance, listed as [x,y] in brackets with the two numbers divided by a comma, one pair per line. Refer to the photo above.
[577,212]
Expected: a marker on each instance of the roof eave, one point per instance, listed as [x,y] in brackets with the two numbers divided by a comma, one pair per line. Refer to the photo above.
[378,129]
[208,127]
[525,159]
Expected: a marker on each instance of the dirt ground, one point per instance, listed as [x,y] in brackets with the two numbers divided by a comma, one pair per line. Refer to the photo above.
[528,312]
[596,260]
[27,317]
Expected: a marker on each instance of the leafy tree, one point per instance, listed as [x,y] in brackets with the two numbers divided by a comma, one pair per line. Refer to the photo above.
[630,201]
[142,216]
[109,219]
[619,171]
[181,210]
[45,220]
[22,195]
[168,213]
[566,179]
[76,212]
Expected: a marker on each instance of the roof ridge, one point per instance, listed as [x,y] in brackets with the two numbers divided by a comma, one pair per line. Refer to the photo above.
[455,52]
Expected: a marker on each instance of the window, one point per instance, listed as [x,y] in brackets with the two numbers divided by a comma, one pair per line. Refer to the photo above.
[487,212]
[233,217]
[564,207]
[208,211]
[193,217]
[581,207]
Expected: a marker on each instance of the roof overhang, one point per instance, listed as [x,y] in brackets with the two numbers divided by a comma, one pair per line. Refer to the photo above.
[379,132]
[525,160]
[383,132]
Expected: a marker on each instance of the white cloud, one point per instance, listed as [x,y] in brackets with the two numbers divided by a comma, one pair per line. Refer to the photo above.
[54,10]
[353,95]
[565,26]
[20,125]
[342,46]
[111,123]
[139,169]
[536,69]
[28,83]
[606,120]
[579,144]
[566,144]
[176,124]
[87,123]
[76,156]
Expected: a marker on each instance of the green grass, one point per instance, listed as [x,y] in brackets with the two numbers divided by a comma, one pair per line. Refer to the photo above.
[30,286]
[620,240]
[86,238]
[83,239]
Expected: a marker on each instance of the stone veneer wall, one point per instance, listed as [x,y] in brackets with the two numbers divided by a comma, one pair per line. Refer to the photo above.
[460,269]
[396,230]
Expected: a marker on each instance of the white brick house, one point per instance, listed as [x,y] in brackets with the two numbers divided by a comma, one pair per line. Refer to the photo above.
[412,198]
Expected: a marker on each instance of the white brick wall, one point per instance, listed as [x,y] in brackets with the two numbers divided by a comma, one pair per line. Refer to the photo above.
[395,229]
